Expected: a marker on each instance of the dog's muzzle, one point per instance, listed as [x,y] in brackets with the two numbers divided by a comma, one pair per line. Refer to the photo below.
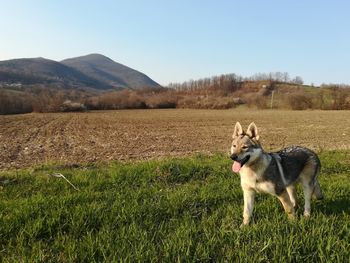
[242,161]
[234,157]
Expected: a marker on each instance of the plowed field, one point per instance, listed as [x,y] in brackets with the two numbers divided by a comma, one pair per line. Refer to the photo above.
[82,138]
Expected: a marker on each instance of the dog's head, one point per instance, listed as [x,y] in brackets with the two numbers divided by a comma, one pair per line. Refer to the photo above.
[245,148]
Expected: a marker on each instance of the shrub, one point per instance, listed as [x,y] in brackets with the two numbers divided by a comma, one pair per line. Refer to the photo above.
[11,103]
[300,101]
[258,101]
[68,106]
[161,101]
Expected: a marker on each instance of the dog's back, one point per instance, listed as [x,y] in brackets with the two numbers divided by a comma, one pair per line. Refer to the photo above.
[295,160]
[290,165]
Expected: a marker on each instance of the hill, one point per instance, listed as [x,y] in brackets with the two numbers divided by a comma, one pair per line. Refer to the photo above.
[31,71]
[92,71]
[111,73]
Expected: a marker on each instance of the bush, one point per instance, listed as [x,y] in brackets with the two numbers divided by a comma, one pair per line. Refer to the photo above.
[300,101]
[69,106]
[11,103]
[255,100]
[161,101]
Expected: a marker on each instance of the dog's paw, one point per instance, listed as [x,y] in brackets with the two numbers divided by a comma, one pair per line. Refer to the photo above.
[291,216]
[244,224]
[307,214]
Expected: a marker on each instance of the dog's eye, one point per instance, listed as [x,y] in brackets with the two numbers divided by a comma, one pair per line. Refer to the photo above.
[244,147]
[234,145]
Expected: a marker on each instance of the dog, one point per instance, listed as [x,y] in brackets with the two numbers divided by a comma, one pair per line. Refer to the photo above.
[274,173]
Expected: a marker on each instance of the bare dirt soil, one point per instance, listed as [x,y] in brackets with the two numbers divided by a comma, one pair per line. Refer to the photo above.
[83,138]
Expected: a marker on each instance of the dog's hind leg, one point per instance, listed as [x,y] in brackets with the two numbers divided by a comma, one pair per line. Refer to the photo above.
[292,195]
[287,204]
[308,178]
[317,194]
[308,189]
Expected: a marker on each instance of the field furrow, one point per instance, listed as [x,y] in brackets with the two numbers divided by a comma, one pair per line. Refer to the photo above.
[71,138]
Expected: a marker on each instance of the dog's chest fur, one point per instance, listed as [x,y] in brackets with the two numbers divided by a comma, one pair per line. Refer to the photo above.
[251,179]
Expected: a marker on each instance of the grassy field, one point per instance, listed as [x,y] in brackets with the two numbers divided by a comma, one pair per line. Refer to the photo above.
[171,210]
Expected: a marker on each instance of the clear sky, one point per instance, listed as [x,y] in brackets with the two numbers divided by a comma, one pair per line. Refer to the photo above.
[178,40]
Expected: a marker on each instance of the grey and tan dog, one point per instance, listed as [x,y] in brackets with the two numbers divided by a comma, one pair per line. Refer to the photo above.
[274,173]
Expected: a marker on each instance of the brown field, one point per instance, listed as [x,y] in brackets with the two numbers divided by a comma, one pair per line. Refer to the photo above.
[81,138]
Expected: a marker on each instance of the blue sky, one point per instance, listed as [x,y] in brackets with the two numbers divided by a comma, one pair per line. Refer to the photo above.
[174,41]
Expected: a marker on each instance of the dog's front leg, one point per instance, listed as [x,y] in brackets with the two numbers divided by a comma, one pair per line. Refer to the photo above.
[287,204]
[249,196]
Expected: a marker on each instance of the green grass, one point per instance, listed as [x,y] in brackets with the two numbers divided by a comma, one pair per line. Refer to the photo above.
[171,210]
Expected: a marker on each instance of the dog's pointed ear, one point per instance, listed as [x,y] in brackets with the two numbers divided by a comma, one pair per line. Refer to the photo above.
[252,131]
[238,130]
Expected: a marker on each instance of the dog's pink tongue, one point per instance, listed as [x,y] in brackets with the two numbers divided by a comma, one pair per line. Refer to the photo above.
[236,166]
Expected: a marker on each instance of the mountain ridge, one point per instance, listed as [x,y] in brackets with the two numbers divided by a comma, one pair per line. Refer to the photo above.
[90,71]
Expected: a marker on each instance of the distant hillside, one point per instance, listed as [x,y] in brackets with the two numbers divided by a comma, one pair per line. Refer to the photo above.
[109,72]
[92,71]
[30,71]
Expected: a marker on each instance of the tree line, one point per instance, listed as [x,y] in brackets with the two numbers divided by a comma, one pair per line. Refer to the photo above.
[217,92]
